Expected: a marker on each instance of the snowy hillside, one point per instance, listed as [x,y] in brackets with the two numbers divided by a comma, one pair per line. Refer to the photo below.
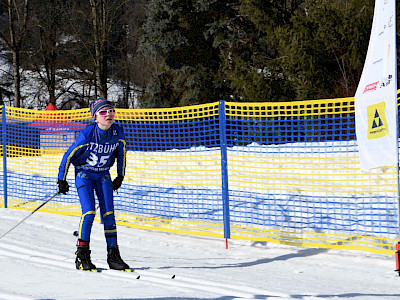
[35,95]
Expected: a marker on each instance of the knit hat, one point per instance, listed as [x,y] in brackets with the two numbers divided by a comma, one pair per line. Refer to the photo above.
[99,104]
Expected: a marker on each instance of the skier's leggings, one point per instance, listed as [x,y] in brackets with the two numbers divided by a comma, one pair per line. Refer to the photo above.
[86,185]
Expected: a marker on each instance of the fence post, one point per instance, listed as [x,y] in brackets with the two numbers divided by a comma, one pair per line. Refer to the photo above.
[4,139]
[224,169]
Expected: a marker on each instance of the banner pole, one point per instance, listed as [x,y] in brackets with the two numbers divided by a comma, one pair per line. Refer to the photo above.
[397,253]
[397,143]
[4,138]
[398,198]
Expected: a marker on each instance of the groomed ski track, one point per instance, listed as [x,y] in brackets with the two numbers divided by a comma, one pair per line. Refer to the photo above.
[37,262]
[36,257]
[48,259]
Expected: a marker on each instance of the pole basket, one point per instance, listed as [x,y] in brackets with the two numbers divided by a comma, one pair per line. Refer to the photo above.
[398,258]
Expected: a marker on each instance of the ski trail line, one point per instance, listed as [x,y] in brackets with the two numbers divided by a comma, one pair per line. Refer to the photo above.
[5,296]
[184,282]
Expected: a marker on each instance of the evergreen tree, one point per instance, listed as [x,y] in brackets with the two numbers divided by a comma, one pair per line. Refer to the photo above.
[324,45]
[257,50]
[251,57]
[182,33]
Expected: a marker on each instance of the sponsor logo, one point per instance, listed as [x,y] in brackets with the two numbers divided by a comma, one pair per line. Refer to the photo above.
[371,87]
[377,122]
[386,81]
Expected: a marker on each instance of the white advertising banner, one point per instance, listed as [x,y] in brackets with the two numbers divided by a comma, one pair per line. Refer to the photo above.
[376,95]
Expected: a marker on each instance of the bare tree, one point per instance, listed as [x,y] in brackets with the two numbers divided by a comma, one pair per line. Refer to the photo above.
[92,23]
[101,27]
[17,28]
[46,43]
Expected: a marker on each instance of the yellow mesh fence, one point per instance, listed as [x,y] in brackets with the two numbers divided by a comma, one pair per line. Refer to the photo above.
[292,172]
[299,162]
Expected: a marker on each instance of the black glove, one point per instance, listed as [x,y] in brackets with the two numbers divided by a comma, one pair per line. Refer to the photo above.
[117,182]
[63,186]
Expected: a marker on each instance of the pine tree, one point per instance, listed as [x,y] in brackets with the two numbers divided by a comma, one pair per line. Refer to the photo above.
[184,34]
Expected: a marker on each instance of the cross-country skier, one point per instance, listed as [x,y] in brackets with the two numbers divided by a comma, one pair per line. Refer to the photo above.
[93,154]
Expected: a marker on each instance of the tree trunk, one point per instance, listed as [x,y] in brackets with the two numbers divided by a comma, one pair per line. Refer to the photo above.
[17,34]
[100,39]
[17,77]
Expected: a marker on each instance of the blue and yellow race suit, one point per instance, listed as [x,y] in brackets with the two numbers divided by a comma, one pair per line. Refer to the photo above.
[93,154]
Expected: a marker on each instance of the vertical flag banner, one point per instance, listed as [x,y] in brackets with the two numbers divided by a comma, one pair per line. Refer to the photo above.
[376,95]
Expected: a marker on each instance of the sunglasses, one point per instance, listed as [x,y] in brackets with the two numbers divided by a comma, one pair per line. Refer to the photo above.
[110,111]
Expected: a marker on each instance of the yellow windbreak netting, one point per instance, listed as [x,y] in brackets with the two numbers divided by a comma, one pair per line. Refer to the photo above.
[276,172]
[294,166]
[35,142]
[173,169]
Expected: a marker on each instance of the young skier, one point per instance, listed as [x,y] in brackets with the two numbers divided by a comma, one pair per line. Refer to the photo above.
[93,154]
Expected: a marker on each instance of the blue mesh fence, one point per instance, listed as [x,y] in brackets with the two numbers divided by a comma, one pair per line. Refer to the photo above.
[279,172]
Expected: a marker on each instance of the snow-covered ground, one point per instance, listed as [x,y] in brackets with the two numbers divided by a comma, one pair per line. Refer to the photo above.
[37,262]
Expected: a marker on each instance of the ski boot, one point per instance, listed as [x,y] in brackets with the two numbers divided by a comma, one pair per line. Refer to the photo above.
[82,260]
[115,261]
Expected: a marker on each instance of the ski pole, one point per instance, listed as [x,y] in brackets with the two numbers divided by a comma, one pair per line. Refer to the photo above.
[40,206]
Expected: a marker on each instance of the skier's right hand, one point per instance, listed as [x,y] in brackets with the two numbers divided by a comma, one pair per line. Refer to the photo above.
[63,186]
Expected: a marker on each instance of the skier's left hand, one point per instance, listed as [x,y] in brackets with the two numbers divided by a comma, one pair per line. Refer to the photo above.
[117,182]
